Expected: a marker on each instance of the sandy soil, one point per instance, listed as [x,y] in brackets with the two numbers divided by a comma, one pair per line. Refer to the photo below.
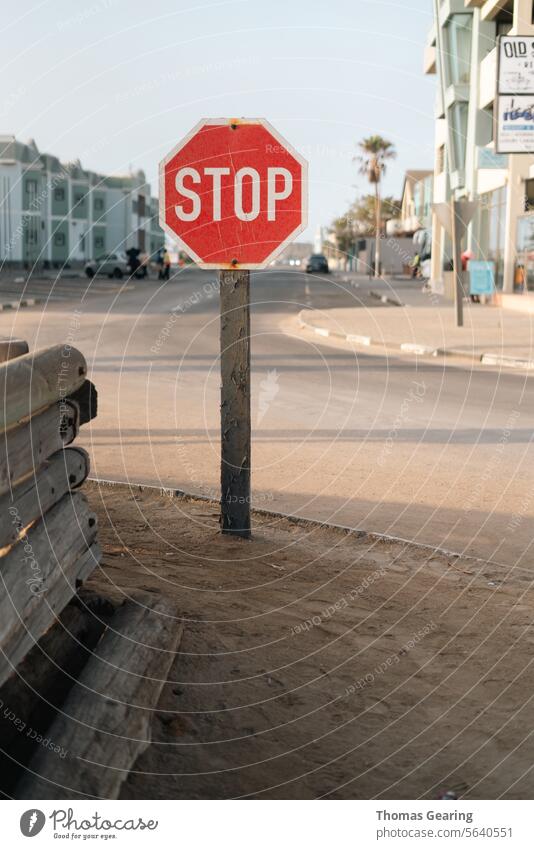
[318,663]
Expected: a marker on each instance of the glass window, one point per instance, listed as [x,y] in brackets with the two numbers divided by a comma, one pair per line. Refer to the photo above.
[458,122]
[458,49]
[59,239]
[492,230]
[59,194]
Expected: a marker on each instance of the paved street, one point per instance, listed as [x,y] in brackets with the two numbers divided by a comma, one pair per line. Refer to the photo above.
[434,453]
[17,287]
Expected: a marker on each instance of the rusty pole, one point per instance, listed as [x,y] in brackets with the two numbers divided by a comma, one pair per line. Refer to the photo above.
[235,402]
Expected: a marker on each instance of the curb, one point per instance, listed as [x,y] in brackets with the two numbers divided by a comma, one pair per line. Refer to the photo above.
[15,305]
[357,533]
[506,362]
[385,300]
[325,331]
[486,358]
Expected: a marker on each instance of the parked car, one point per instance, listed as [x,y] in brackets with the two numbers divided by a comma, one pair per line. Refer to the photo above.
[114,265]
[317,263]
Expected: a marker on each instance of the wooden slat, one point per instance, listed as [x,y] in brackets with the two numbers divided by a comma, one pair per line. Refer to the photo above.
[25,448]
[105,721]
[87,399]
[11,348]
[38,576]
[65,470]
[32,382]
[30,699]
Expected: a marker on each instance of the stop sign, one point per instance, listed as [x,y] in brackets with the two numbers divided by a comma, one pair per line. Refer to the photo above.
[233,192]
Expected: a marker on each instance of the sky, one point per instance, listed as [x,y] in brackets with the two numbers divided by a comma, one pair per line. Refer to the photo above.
[117,83]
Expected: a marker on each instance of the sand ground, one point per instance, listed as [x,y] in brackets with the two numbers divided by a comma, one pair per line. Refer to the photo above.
[318,663]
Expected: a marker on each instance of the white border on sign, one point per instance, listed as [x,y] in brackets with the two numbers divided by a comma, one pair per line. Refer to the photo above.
[304,192]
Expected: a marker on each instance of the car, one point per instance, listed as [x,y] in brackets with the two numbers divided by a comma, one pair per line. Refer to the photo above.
[317,263]
[114,265]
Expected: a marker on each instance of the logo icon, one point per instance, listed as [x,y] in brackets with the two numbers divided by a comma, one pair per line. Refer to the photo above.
[269,389]
[32,822]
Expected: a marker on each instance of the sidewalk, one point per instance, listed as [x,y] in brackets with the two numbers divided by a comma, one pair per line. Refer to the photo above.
[424,324]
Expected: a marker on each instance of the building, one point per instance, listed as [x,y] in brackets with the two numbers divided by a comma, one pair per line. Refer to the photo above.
[416,205]
[54,214]
[462,51]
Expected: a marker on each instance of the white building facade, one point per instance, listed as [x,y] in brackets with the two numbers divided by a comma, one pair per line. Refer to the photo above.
[60,215]
[462,51]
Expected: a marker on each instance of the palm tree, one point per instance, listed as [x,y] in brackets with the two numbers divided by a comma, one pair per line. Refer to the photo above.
[375,150]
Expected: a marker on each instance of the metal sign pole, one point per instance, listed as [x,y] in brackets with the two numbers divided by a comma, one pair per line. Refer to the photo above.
[235,402]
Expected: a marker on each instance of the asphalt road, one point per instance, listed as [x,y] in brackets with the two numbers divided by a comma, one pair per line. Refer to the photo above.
[436,453]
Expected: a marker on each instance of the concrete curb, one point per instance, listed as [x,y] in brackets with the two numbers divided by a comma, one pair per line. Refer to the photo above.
[486,358]
[15,305]
[358,533]
[385,299]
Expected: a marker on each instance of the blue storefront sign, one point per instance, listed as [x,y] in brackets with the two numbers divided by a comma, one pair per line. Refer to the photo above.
[481,277]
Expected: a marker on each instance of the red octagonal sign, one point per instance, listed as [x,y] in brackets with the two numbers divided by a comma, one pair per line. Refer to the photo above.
[234,193]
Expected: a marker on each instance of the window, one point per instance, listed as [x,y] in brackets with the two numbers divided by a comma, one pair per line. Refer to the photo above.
[440,159]
[457,115]
[59,194]
[79,198]
[99,243]
[529,195]
[31,192]
[458,49]
[492,230]
[99,204]
[31,234]
[59,239]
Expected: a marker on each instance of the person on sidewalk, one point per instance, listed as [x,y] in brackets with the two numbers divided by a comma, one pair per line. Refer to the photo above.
[166,265]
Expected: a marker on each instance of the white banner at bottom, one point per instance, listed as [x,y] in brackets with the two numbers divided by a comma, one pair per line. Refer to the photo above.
[264,824]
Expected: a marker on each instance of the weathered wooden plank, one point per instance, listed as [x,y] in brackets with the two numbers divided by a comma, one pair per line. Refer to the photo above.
[11,348]
[65,470]
[38,576]
[30,699]
[34,381]
[105,722]
[87,399]
[25,448]
[235,402]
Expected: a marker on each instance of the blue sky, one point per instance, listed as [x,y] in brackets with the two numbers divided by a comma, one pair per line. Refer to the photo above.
[118,82]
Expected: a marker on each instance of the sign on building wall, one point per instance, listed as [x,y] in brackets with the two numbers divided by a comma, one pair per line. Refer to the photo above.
[515,124]
[514,106]
[516,64]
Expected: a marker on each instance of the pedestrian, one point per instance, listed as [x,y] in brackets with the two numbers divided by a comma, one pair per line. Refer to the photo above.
[133,260]
[166,264]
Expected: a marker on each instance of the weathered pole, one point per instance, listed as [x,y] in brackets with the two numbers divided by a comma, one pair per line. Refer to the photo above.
[235,402]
